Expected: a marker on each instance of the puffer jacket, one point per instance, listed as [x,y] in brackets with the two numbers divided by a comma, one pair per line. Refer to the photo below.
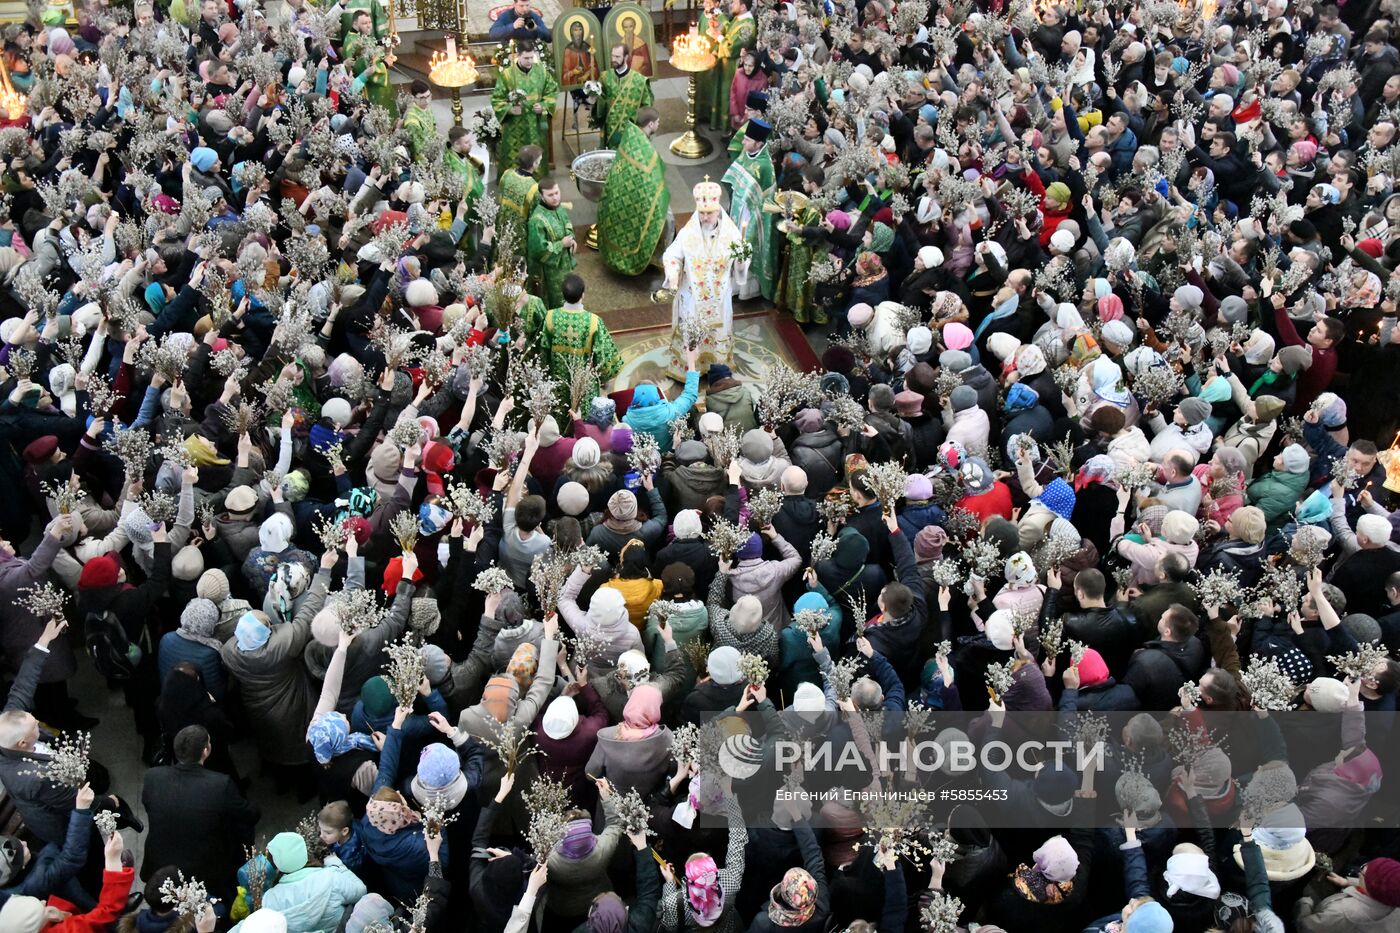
[655,419]
[688,486]
[734,403]
[820,455]
[1276,493]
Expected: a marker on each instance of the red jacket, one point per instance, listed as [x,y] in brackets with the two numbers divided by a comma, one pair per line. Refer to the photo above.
[997,501]
[116,885]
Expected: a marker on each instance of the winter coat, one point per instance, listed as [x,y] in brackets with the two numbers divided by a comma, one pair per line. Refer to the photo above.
[403,855]
[366,657]
[1144,557]
[20,628]
[617,635]
[655,419]
[566,759]
[313,899]
[628,764]
[765,578]
[175,648]
[649,533]
[1108,696]
[821,456]
[733,403]
[54,869]
[575,882]
[688,486]
[180,797]
[970,428]
[1276,494]
[278,693]
[1158,670]
[695,554]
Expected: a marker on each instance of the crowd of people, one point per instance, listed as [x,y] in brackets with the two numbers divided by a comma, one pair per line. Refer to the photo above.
[319,459]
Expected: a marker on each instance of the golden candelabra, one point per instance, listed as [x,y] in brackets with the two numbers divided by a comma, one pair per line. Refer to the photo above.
[691,52]
[455,70]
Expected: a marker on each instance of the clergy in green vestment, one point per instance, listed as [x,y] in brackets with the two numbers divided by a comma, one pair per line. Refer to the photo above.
[739,34]
[633,210]
[523,101]
[517,191]
[419,123]
[755,108]
[551,244]
[707,95]
[751,181]
[364,55]
[379,17]
[565,333]
[625,91]
[458,158]
[805,245]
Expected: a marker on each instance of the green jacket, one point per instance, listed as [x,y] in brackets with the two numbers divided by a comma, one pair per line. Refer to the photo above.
[1276,494]
[735,405]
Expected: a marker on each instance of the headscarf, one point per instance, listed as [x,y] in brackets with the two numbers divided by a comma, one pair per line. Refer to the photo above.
[523,664]
[251,632]
[794,899]
[702,890]
[498,699]
[330,737]
[198,623]
[390,816]
[641,714]
[607,915]
[1097,469]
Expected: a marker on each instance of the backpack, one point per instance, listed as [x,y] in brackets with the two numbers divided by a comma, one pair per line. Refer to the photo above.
[113,654]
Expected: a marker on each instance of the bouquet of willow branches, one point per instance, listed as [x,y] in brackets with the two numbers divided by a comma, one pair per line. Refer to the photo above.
[983,558]
[466,503]
[241,419]
[133,447]
[835,507]
[106,823]
[1269,687]
[941,913]
[511,743]
[945,382]
[723,445]
[1343,474]
[528,380]
[1190,695]
[842,676]
[1052,636]
[64,496]
[582,380]
[960,523]
[545,832]
[404,527]
[166,357]
[480,361]
[1279,586]
[1189,743]
[944,572]
[681,431]
[23,362]
[645,456]
[358,610]
[787,391]
[333,533]
[1135,476]
[847,413]
[1308,547]
[548,573]
[405,433]
[158,506]
[1000,678]
[810,621]
[584,648]
[404,670]
[501,446]
[68,762]
[753,669]
[188,896]
[763,505]
[492,581]
[101,397]
[693,331]
[685,743]
[44,601]
[823,548]
[1158,385]
[546,795]
[725,538]
[887,481]
[1219,588]
[436,817]
[1077,650]
[632,813]
[1361,663]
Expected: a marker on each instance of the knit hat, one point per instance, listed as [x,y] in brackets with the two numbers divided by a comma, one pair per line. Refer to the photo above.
[1267,408]
[963,398]
[918,487]
[918,339]
[578,839]
[377,698]
[756,446]
[751,549]
[586,453]
[957,336]
[560,718]
[1194,410]
[436,664]
[213,586]
[607,608]
[808,698]
[369,910]
[928,543]
[265,920]
[1327,695]
[100,572]
[622,505]
[746,615]
[1179,527]
[240,499]
[1189,297]
[22,914]
[1118,334]
[999,629]
[1150,917]
[439,767]
[955,360]
[288,852]
[1135,792]
[1249,524]
[723,665]
[1295,460]
[1382,881]
[572,498]
[1294,359]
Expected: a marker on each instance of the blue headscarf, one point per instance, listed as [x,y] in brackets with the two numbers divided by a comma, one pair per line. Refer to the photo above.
[1021,397]
[252,633]
[155,297]
[1005,309]
[330,737]
[645,395]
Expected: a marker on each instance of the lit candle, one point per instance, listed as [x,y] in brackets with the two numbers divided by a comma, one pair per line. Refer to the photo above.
[451,49]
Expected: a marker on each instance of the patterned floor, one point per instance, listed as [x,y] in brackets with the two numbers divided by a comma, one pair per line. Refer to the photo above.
[761,338]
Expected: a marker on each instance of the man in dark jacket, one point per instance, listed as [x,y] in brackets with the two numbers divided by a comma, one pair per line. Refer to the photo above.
[186,795]
[1157,671]
[1173,587]
[1109,630]
[818,451]
[896,630]
[797,522]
